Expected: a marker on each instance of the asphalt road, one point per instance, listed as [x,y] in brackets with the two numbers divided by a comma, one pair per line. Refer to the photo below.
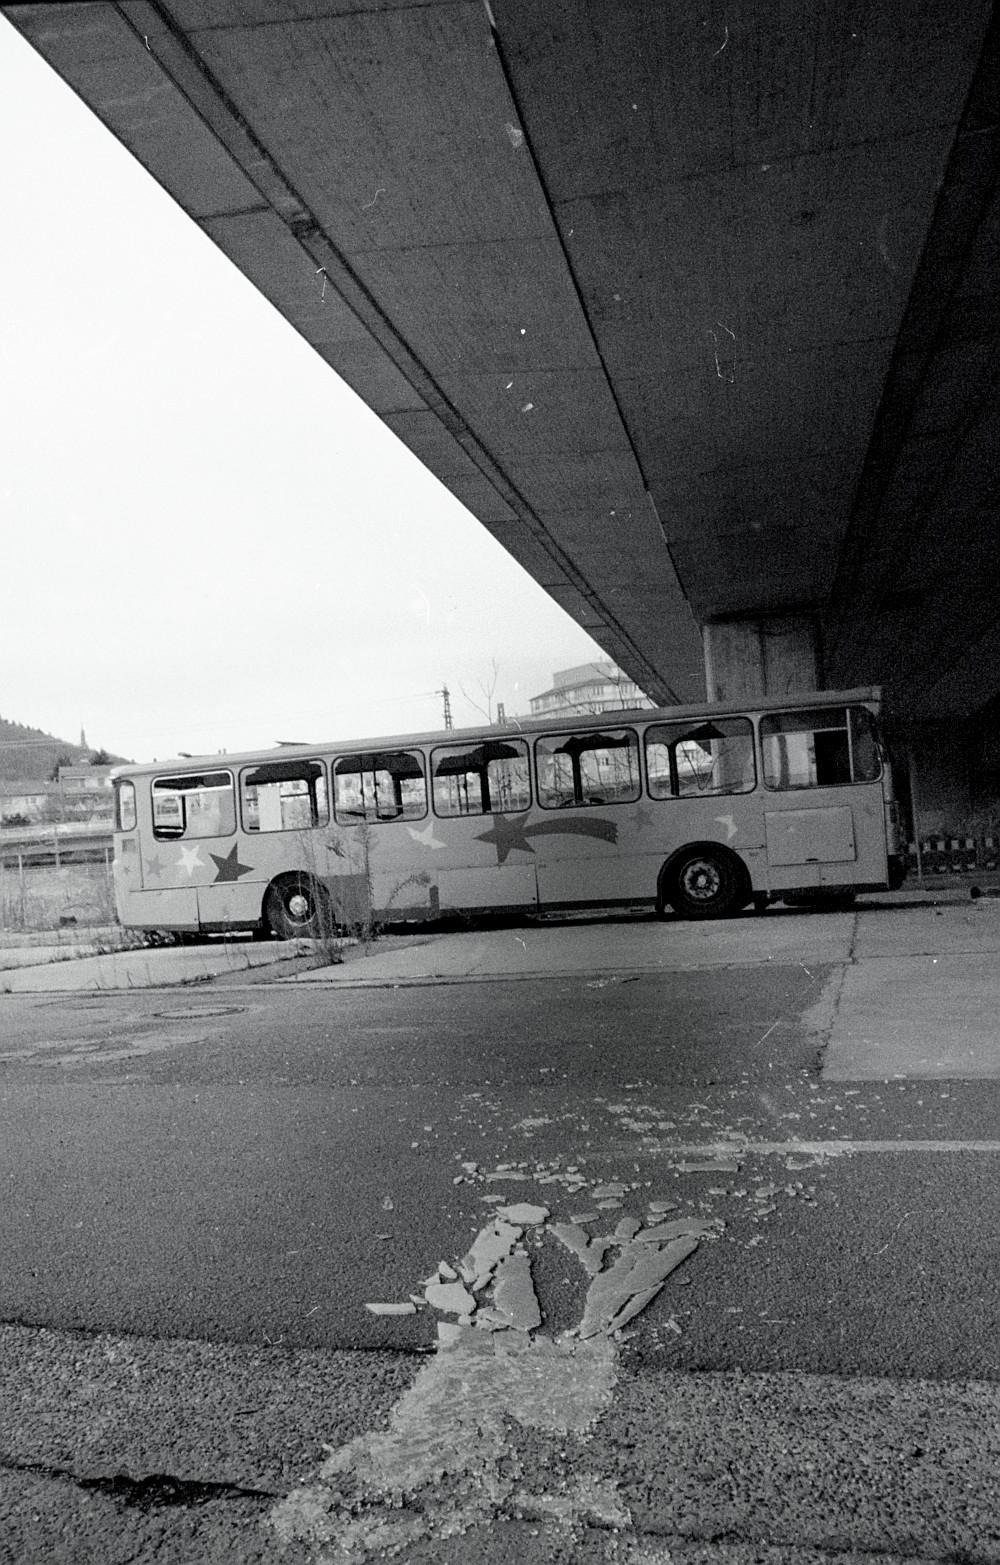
[256,1164]
[203,1188]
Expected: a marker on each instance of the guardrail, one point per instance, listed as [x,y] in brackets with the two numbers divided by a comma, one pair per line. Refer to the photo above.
[953,856]
[65,842]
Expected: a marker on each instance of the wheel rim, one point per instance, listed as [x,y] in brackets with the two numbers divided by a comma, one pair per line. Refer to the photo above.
[298,906]
[701,880]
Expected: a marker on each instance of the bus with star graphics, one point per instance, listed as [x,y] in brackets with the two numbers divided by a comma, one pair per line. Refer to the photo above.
[702,809]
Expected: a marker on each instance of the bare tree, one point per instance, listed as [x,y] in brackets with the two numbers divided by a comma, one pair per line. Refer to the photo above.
[487,690]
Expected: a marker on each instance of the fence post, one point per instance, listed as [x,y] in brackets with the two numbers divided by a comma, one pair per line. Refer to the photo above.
[915,812]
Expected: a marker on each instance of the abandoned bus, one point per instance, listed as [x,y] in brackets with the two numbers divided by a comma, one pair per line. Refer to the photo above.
[702,809]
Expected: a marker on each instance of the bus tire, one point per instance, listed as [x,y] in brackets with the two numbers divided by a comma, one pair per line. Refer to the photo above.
[705,880]
[296,908]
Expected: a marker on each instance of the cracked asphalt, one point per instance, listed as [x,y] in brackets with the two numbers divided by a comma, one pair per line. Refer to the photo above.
[203,1189]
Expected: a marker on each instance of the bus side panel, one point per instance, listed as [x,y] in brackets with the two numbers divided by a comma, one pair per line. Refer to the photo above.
[481,862]
[236,905]
[176,908]
[496,886]
[871,864]
[825,837]
[592,856]
[400,870]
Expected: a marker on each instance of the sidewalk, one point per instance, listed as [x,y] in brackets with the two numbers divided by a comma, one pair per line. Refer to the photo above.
[67,968]
[591,947]
[621,944]
[912,987]
[921,997]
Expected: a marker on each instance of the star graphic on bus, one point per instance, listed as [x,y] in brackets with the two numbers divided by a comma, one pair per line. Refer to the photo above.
[426,838]
[230,868]
[154,867]
[507,833]
[189,861]
[513,833]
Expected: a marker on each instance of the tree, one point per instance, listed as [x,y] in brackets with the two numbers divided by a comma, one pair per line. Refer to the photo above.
[64,758]
[487,687]
[100,758]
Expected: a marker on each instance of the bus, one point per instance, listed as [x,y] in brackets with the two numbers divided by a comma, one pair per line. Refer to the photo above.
[702,809]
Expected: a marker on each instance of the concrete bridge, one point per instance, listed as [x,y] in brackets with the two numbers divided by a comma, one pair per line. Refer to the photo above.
[696,309]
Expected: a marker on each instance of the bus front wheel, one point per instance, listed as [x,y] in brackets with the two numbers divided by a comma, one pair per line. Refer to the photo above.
[296,908]
[705,881]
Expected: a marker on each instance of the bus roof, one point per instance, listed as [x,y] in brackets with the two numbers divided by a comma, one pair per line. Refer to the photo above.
[557,723]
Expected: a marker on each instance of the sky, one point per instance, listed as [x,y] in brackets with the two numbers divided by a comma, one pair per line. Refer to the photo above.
[207,541]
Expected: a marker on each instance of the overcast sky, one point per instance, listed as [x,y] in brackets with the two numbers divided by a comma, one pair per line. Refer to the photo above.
[206,540]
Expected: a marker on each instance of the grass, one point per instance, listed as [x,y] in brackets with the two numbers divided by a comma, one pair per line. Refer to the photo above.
[40,897]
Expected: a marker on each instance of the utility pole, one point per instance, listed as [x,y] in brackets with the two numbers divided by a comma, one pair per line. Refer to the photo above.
[445,695]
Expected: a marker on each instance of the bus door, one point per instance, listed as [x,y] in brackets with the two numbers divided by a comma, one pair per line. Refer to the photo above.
[482,797]
[194,825]
[824,815]
[584,836]
[383,835]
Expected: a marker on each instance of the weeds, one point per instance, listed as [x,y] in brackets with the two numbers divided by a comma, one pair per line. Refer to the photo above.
[71,898]
[349,903]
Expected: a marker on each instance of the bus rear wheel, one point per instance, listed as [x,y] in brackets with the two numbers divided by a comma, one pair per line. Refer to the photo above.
[705,881]
[296,908]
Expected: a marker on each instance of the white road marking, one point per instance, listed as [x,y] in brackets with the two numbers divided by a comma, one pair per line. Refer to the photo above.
[836,1148]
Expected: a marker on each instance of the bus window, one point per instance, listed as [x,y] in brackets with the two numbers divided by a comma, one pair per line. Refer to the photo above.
[284,796]
[866,749]
[593,768]
[685,760]
[201,804]
[379,785]
[481,779]
[125,814]
[815,748]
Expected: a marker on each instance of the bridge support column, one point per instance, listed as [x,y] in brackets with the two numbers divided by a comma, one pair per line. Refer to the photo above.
[749,658]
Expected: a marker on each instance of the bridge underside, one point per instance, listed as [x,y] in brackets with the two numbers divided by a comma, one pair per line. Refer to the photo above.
[697,311]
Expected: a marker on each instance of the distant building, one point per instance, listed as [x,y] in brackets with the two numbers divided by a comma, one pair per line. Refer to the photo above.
[589,687]
[86,792]
[82,793]
[31,800]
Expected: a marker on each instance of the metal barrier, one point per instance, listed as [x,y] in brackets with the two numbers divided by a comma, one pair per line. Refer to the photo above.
[70,842]
[953,855]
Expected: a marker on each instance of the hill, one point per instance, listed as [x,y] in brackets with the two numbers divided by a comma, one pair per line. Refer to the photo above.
[30,753]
